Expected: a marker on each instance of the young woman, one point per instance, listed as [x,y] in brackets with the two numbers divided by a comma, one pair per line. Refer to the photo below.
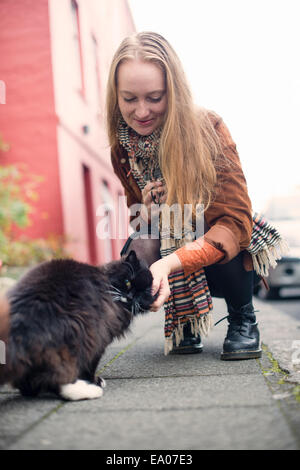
[167,151]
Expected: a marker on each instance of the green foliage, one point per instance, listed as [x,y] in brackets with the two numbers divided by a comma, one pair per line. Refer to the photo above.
[17,192]
[14,211]
[25,252]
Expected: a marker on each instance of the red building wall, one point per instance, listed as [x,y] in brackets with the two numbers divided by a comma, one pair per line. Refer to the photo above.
[27,119]
[54,61]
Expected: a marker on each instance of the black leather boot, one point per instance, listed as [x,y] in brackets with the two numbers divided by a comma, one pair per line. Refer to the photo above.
[242,340]
[190,344]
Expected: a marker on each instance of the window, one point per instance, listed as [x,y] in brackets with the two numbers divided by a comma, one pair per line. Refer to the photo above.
[77,50]
[96,73]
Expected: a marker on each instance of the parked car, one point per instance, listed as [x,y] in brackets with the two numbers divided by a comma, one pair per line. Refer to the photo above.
[284,214]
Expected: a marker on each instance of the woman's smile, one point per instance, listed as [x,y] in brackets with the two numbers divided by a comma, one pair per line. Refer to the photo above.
[144,123]
[142,97]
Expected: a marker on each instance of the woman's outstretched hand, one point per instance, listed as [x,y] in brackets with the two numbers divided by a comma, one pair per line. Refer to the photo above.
[160,271]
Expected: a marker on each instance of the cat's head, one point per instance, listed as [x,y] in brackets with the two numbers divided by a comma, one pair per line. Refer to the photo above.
[131,284]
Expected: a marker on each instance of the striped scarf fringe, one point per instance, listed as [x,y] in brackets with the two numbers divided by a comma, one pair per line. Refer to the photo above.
[266,246]
[199,326]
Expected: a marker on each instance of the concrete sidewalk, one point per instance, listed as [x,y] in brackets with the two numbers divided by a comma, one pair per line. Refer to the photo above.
[176,402]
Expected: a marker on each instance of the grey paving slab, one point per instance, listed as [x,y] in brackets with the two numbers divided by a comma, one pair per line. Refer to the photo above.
[180,393]
[146,359]
[145,354]
[140,327]
[18,415]
[281,333]
[154,401]
[226,428]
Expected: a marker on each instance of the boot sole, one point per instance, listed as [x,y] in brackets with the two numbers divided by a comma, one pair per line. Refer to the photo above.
[186,350]
[237,355]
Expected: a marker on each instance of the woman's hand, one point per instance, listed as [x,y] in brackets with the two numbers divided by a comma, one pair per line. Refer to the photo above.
[153,193]
[160,271]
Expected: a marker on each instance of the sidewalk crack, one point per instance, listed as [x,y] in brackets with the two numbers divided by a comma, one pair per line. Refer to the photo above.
[120,353]
[36,423]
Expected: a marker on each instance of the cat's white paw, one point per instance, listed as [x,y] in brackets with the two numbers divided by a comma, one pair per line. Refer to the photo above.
[80,390]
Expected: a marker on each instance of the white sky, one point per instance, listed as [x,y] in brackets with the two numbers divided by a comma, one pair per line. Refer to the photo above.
[242,59]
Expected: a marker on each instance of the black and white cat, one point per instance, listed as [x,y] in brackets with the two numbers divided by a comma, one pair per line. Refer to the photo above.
[61,316]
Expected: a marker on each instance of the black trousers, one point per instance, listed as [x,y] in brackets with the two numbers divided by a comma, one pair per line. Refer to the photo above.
[232,282]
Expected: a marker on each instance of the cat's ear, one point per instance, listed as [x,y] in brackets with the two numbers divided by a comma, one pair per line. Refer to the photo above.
[132,258]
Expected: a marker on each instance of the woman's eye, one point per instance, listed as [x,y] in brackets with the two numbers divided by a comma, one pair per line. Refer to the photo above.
[155,100]
[152,100]
[129,100]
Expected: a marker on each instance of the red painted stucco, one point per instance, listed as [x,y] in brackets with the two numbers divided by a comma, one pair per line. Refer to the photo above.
[51,100]
[28,120]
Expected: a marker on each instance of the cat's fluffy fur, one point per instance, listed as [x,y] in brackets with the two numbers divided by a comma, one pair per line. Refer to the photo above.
[60,318]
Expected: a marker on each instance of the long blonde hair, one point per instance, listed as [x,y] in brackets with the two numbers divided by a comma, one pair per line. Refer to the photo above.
[189,144]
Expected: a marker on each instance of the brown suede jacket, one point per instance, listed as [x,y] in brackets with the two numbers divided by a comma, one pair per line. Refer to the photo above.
[229,217]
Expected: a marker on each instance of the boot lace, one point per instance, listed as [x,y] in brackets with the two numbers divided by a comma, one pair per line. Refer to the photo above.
[236,323]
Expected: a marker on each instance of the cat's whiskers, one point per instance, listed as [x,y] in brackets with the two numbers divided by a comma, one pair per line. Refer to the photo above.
[120,298]
[117,295]
[115,290]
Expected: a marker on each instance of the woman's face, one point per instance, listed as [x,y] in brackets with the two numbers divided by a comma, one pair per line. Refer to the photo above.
[142,96]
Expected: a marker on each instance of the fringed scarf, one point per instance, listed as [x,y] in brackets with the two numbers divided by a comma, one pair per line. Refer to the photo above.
[190,299]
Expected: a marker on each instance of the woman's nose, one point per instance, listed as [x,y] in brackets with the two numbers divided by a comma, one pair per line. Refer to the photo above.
[141,110]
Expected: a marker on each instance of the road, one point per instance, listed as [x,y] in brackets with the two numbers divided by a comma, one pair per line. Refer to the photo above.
[289,303]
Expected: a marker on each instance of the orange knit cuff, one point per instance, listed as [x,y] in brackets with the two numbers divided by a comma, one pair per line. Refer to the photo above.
[197,254]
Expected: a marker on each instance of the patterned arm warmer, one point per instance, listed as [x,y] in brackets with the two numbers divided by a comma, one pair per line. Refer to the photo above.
[197,254]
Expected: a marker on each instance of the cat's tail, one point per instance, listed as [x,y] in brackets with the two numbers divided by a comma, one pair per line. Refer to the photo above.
[4,335]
